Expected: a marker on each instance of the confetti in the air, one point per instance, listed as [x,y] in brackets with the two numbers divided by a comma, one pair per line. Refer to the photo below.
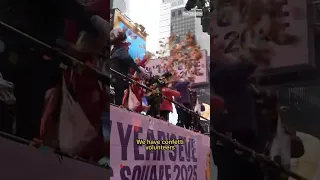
[184,54]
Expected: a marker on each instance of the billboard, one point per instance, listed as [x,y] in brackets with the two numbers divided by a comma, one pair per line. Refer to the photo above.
[279,26]
[137,49]
[158,67]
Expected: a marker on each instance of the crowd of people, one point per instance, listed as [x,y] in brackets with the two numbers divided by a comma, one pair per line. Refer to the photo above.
[161,90]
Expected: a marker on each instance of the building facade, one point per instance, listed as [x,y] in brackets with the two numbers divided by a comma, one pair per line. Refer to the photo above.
[122,5]
[174,20]
[181,24]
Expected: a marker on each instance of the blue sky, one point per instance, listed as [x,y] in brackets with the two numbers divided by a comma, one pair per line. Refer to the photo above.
[135,49]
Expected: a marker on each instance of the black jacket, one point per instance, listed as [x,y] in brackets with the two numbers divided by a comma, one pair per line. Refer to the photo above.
[230,81]
[121,61]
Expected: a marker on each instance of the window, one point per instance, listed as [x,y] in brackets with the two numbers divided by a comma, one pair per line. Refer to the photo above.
[173,14]
[179,13]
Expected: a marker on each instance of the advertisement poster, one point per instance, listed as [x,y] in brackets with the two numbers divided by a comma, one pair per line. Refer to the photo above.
[157,67]
[137,49]
[144,148]
[278,27]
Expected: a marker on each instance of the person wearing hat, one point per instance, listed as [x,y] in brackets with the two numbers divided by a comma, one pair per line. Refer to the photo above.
[121,62]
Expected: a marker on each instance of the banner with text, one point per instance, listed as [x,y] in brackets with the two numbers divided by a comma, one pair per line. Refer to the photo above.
[158,67]
[144,148]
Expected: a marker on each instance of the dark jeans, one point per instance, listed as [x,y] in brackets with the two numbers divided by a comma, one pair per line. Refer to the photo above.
[165,115]
[196,124]
[154,110]
[232,166]
[119,87]
[184,118]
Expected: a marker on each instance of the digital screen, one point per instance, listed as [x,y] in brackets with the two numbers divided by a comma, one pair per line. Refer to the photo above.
[285,38]
[137,49]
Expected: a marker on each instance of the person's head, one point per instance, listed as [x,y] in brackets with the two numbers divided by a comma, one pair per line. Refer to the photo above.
[118,38]
[148,55]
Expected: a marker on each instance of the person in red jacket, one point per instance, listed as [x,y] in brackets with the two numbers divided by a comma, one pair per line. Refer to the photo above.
[136,89]
[91,96]
[166,106]
[141,63]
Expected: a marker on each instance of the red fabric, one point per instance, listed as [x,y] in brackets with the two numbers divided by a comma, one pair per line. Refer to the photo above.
[93,101]
[51,104]
[167,105]
[71,31]
[217,103]
[125,98]
[141,63]
[88,93]
[138,91]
